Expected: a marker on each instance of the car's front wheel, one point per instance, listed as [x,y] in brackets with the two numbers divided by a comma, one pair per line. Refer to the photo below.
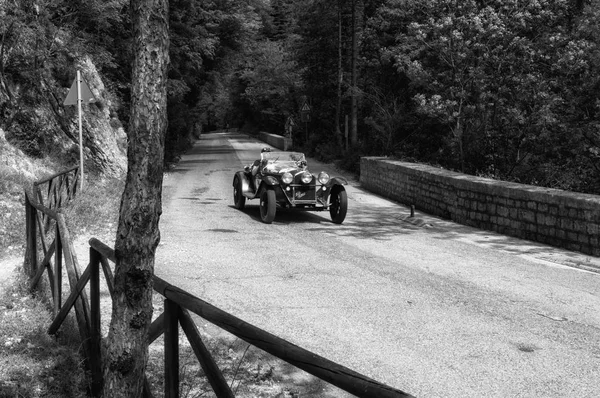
[239,200]
[268,205]
[338,204]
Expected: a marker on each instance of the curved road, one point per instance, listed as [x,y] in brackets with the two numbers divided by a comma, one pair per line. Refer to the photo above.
[424,305]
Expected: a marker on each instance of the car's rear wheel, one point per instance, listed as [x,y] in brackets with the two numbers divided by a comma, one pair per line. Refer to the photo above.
[239,200]
[338,204]
[268,205]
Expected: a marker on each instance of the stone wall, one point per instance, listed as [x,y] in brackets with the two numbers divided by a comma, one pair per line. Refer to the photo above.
[559,218]
[275,140]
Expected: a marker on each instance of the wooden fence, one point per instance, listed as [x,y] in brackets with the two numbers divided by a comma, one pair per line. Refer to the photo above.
[177,307]
[56,190]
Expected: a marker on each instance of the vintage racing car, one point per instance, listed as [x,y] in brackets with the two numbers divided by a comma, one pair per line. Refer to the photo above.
[282,179]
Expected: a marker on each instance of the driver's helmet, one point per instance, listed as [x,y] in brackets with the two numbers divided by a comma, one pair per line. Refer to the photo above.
[265,149]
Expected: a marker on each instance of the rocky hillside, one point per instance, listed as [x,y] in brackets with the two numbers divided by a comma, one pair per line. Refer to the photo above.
[104,143]
[16,171]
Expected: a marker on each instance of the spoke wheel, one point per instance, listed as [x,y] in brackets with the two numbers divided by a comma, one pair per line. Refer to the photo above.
[338,205]
[267,205]
[239,200]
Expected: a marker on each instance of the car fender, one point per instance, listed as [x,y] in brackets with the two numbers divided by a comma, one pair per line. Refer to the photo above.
[246,188]
[270,181]
[333,184]
[336,181]
[267,182]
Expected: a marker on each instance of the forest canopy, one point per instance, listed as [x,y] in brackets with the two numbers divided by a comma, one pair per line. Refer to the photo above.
[507,89]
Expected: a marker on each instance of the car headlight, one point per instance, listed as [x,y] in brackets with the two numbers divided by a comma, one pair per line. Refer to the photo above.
[323,178]
[306,177]
[287,178]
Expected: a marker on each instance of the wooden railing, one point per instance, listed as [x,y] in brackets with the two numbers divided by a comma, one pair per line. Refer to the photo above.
[46,227]
[177,307]
[56,190]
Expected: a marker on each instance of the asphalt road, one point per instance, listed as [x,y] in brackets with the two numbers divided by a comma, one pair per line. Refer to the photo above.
[424,305]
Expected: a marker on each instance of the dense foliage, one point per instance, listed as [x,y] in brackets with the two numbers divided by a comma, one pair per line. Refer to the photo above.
[499,88]
[513,85]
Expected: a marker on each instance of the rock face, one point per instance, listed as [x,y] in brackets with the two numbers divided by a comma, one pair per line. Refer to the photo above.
[104,141]
[15,165]
[45,128]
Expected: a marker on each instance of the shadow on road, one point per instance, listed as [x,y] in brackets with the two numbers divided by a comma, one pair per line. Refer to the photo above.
[285,216]
[370,223]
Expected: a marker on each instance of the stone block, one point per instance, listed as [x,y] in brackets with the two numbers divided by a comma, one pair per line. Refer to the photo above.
[567,224]
[572,236]
[550,221]
[592,229]
[583,239]
[502,211]
[528,216]
[572,213]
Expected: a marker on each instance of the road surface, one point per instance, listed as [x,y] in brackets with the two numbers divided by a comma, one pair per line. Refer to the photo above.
[424,305]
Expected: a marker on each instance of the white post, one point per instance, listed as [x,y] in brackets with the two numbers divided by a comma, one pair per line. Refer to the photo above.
[79,101]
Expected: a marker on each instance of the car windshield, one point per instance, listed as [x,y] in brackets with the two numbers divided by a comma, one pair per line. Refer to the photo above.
[283,159]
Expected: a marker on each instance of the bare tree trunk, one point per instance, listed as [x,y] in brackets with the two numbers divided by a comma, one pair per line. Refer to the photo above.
[354,93]
[338,107]
[138,234]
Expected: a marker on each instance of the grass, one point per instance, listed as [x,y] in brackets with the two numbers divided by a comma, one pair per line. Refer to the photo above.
[95,211]
[33,363]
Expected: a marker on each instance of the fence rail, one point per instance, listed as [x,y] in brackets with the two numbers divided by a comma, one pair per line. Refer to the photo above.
[177,307]
[55,190]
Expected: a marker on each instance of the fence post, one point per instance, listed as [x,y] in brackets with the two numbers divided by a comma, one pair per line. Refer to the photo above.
[171,349]
[31,231]
[208,364]
[57,272]
[95,334]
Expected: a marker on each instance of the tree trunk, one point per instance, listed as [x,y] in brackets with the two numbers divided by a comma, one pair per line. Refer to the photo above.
[354,93]
[338,107]
[137,235]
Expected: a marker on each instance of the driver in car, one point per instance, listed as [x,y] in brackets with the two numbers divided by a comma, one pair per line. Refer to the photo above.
[259,163]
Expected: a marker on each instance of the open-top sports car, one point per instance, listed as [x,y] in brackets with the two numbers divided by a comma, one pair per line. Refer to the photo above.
[282,179]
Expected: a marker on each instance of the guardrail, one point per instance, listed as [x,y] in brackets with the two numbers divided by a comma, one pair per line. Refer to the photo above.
[177,307]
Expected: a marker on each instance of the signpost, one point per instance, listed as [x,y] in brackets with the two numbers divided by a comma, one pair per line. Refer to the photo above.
[78,94]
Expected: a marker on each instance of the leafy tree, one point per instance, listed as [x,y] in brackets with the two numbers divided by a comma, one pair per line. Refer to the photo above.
[272,82]
[317,51]
[479,68]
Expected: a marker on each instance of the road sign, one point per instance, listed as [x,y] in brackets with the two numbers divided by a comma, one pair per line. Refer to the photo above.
[86,93]
[305,117]
[305,112]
